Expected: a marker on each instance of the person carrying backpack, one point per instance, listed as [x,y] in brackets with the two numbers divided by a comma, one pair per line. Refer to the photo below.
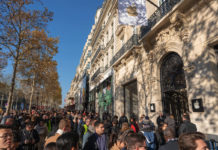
[147,131]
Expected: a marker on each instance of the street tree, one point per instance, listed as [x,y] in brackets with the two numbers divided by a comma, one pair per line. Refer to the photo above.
[52,87]
[3,60]
[17,21]
[37,59]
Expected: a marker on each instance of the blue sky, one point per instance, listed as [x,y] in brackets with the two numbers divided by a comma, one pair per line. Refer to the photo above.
[72,22]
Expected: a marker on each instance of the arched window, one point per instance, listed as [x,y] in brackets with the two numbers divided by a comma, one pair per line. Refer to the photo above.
[173,86]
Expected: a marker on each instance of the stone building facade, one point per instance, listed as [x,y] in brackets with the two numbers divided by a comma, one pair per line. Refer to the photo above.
[181,59]
[171,65]
[79,89]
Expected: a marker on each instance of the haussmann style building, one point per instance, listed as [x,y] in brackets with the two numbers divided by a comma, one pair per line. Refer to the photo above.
[170,66]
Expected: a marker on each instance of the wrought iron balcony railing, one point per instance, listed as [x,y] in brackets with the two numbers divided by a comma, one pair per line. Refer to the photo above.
[96,38]
[165,7]
[96,53]
[99,71]
[126,47]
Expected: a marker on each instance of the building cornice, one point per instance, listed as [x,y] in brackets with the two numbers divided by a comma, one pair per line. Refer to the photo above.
[101,19]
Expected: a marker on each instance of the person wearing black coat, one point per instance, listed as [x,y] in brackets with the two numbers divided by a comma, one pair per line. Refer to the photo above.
[187,126]
[160,119]
[107,127]
[159,134]
[171,142]
[171,145]
[122,119]
[98,140]
[29,137]
[55,121]
[115,128]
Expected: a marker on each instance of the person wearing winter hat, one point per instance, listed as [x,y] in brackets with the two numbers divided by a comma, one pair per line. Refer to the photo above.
[147,124]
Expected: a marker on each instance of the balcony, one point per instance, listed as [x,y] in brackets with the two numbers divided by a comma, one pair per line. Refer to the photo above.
[96,53]
[109,43]
[99,71]
[126,47]
[158,15]
[96,38]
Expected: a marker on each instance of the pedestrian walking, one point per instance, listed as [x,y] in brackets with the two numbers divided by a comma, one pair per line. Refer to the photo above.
[170,121]
[171,141]
[187,126]
[160,119]
[122,119]
[148,132]
[136,141]
[68,141]
[90,131]
[134,125]
[29,137]
[98,140]
[64,126]
[159,134]
[42,130]
[117,142]
[192,141]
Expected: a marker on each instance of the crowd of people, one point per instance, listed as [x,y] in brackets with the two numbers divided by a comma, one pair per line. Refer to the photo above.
[62,130]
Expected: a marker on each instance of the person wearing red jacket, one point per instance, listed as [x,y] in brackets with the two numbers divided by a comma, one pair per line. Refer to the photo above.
[134,125]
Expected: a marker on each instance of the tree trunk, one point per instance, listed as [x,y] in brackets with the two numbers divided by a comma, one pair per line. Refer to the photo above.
[32,92]
[16,102]
[12,102]
[2,100]
[12,84]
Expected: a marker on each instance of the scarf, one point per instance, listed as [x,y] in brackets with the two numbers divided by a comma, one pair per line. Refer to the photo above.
[59,131]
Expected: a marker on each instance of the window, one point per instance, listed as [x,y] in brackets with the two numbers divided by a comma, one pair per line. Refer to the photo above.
[122,40]
[112,28]
[107,59]
[112,50]
[107,36]
[103,41]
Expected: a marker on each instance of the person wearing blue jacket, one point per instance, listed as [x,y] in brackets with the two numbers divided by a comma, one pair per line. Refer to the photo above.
[148,131]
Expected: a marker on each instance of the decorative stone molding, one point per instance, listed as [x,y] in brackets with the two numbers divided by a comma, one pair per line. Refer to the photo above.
[147,46]
[137,51]
[176,32]
[123,63]
[130,58]
[180,24]
[151,56]
[117,67]
[119,30]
